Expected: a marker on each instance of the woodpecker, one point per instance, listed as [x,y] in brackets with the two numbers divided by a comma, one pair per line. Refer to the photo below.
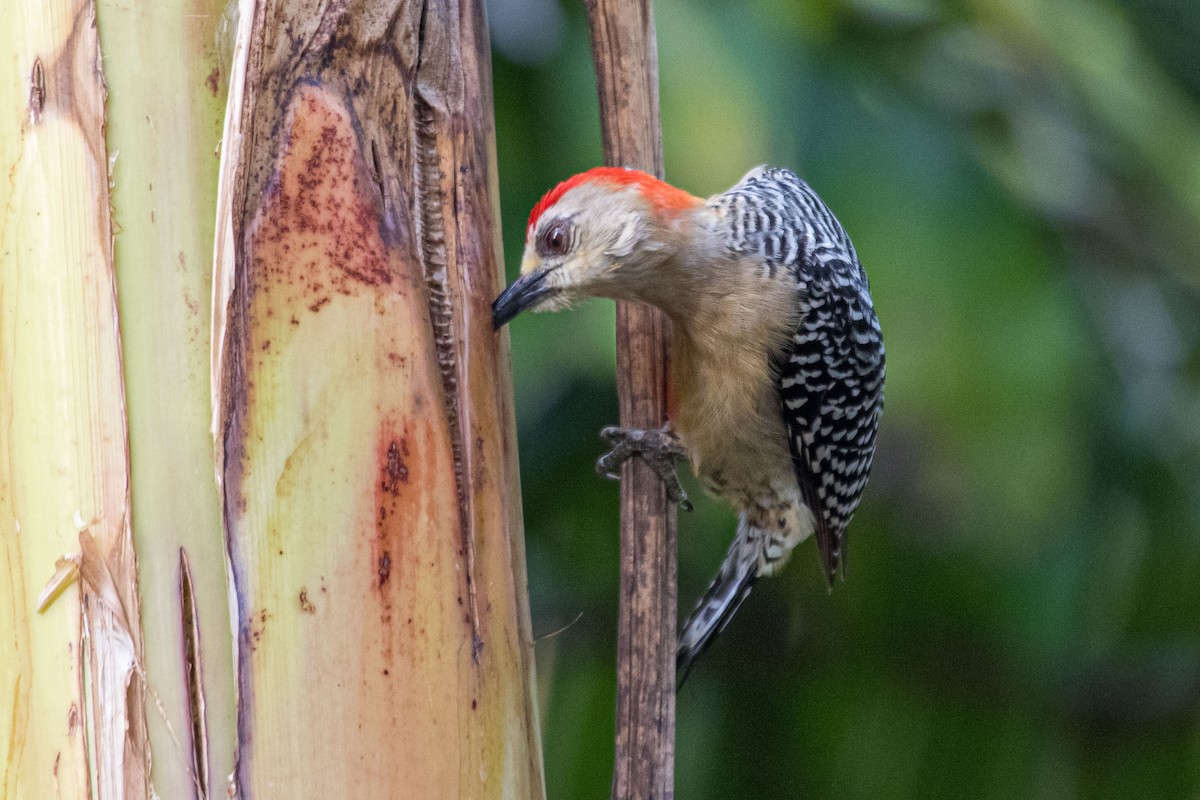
[776,360]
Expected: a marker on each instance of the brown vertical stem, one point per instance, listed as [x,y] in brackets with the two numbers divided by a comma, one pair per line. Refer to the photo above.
[623,47]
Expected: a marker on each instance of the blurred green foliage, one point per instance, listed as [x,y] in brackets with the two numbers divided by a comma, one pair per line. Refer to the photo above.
[1021,617]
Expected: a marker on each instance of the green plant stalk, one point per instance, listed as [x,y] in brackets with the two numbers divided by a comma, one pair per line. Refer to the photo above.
[166,78]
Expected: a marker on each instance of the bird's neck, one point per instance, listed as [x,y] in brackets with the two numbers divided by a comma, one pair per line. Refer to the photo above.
[719,302]
[684,273]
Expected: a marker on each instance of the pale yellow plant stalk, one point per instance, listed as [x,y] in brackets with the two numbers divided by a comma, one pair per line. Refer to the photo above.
[75,726]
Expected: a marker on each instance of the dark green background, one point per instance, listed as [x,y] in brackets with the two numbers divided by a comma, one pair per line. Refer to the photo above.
[1021,616]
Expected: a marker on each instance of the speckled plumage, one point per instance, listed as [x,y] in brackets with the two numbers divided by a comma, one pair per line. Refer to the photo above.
[828,383]
[831,377]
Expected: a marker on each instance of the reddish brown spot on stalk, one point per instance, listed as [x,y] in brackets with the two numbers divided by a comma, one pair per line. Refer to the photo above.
[409,460]
[395,470]
[316,234]
[258,627]
[213,81]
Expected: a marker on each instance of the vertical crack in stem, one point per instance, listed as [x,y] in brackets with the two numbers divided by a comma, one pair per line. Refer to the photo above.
[432,242]
[190,624]
[37,91]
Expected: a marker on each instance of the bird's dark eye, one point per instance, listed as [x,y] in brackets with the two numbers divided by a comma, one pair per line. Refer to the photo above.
[555,240]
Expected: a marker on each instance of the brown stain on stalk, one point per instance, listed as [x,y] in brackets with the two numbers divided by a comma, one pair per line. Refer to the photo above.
[411,455]
[258,626]
[306,605]
[316,234]
[395,471]
[395,475]
[385,569]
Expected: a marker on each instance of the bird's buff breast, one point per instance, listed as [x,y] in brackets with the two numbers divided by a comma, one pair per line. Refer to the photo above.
[727,417]
[725,392]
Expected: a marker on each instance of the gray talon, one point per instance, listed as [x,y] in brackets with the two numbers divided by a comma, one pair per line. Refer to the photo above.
[658,448]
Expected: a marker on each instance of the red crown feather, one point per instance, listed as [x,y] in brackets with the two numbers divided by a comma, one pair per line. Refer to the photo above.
[663,196]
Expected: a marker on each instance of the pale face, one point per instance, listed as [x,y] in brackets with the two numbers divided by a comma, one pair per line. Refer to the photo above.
[576,248]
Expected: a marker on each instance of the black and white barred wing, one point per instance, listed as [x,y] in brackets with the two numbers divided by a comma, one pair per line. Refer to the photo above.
[831,389]
[831,376]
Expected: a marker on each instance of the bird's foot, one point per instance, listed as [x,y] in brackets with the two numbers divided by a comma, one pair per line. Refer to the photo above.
[658,447]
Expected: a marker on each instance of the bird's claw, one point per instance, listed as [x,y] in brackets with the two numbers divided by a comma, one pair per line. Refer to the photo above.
[657,447]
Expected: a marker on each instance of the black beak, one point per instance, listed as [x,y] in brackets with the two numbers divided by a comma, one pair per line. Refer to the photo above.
[525,292]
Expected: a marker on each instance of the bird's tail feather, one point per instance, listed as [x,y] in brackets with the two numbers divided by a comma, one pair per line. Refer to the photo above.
[725,595]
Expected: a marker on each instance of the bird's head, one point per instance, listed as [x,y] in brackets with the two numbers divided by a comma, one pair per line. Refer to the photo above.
[602,233]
